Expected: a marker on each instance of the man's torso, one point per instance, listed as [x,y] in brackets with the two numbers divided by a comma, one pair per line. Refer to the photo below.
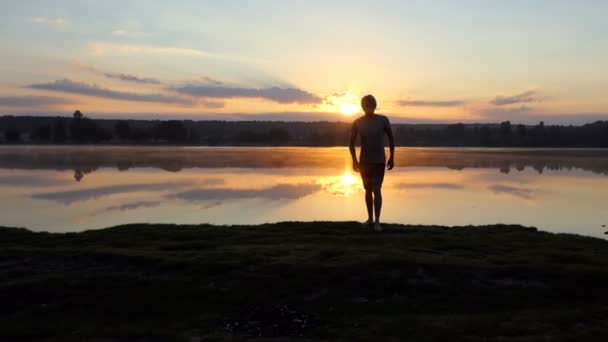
[371,129]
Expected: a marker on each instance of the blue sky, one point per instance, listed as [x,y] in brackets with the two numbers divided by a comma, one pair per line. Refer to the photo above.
[425,61]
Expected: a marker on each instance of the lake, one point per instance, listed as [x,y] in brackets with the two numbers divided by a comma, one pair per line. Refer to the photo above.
[66,189]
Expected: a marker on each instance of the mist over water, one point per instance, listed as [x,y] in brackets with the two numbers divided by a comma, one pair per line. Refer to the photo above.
[64,189]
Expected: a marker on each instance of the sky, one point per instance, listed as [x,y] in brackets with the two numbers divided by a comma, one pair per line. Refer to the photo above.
[424,61]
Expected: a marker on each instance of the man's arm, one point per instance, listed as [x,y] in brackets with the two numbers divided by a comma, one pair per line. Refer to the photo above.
[351,147]
[391,142]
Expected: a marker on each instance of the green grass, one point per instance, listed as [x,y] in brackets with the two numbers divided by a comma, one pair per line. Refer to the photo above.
[314,281]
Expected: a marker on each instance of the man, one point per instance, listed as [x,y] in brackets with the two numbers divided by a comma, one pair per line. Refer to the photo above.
[372,160]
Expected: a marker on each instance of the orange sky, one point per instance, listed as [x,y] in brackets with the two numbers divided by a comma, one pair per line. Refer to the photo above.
[424,62]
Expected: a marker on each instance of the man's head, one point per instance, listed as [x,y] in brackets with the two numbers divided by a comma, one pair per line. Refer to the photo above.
[368,103]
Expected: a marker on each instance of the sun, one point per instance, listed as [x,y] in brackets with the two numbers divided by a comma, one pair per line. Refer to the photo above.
[348,109]
[345,103]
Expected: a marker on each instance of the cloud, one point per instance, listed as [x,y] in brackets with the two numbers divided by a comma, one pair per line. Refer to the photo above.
[31,181]
[49,21]
[277,192]
[211,104]
[132,78]
[133,206]
[525,97]
[514,191]
[120,76]
[211,80]
[276,94]
[69,86]
[69,197]
[126,33]
[31,101]
[103,48]
[422,103]
[447,186]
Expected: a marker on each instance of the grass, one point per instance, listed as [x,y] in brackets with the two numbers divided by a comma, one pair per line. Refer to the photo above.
[310,281]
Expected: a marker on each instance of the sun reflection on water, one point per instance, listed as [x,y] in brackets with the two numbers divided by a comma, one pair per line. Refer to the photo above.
[342,185]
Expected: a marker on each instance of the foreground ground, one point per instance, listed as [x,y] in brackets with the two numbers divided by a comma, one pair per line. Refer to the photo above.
[302,281]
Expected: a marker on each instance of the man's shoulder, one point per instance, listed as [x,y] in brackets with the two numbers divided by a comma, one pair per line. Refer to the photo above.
[358,120]
[382,117]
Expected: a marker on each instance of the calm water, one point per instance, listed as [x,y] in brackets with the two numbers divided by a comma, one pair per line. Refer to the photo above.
[63,189]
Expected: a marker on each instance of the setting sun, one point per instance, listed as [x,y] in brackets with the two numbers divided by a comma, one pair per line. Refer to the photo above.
[345,103]
[348,109]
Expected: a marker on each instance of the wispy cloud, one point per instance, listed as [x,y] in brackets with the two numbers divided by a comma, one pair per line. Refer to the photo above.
[525,97]
[211,104]
[126,33]
[446,186]
[119,76]
[133,78]
[56,22]
[426,103]
[277,192]
[31,101]
[72,87]
[211,80]
[133,206]
[69,197]
[31,181]
[276,94]
[524,193]
[103,48]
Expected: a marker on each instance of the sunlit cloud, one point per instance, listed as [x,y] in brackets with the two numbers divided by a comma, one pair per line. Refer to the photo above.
[49,21]
[275,94]
[525,97]
[31,101]
[103,48]
[426,103]
[126,33]
[72,87]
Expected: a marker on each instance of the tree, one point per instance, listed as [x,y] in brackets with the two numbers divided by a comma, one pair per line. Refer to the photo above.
[43,133]
[122,130]
[505,128]
[12,135]
[278,136]
[78,115]
[172,131]
[83,129]
[59,133]
[521,130]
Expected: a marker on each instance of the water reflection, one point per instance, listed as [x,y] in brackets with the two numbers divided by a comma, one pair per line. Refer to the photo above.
[345,185]
[85,160]
[447,187]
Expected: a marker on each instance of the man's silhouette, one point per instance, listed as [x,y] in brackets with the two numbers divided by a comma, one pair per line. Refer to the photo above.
[372,160]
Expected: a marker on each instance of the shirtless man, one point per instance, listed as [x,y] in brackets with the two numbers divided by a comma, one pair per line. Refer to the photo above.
[372,160]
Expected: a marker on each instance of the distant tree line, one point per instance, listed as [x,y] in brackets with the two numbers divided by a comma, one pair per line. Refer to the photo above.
[79,129]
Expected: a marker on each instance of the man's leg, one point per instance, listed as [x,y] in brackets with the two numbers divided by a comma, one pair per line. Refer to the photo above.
[377,202]
[369,202]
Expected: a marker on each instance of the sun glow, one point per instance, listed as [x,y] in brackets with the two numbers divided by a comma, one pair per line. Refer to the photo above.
[348,109]
[345,103]
[344,185]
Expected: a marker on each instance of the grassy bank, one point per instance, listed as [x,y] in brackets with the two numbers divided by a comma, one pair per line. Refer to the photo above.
[308,281]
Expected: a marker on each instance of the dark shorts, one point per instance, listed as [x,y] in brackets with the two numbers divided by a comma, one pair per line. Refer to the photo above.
[372,175]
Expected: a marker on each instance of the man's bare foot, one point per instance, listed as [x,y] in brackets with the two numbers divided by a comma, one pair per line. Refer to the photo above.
[368,223]
[377,227]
